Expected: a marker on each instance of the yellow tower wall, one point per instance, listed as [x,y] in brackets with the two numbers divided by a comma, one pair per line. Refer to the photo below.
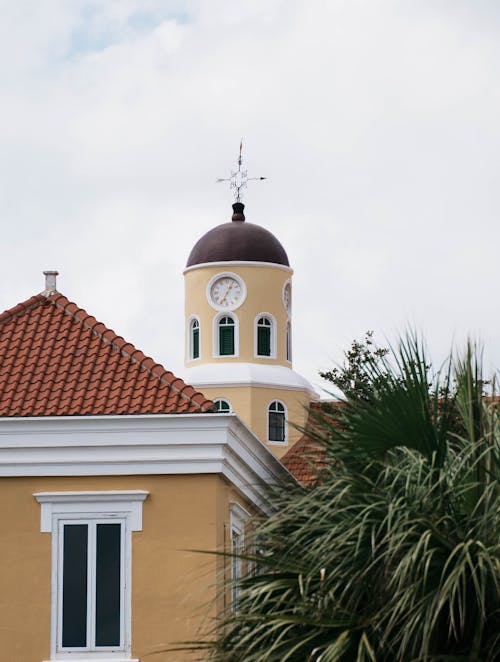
[264,284]
[251,404]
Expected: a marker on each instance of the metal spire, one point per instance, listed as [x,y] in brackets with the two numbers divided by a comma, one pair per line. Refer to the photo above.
[239,178]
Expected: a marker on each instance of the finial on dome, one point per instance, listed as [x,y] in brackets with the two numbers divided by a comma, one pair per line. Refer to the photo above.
[238,180]
[238,214]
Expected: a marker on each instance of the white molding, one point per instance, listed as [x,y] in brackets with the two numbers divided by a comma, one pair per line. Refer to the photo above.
[238,516]
[156,444]
[288,341]
[222,399]
[289,283]
[239,373]
[62,503]
[274,334]
[189,339]
[92,507]
[238,263]
[285,440]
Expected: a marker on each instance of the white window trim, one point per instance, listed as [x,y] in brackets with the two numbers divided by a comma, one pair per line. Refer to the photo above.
[215,335]
[272,319]
[288,341]
[285,284]
[119,506]
[238,518]
[269,441]
[189,343]
[224,400]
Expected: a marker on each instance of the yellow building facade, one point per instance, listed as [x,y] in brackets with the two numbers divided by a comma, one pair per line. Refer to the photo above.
[113,472]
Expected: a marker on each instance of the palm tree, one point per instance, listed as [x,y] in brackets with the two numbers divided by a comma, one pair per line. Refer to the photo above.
[394,553]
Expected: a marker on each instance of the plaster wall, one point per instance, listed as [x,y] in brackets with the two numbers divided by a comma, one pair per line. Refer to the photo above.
[252,403]
[264,284]
[173,590]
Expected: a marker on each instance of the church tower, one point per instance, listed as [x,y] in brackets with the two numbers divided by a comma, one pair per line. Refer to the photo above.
[238,312]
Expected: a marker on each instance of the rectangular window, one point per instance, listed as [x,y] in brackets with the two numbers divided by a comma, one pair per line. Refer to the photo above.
[238,519]
[263,341]
[196,343]
[92,585]
[276,426]
[91,571]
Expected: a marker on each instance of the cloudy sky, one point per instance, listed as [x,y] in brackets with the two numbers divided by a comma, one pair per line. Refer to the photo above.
[376,123]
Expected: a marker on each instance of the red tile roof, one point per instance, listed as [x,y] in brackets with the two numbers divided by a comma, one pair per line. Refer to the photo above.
[56,360]
[306,458]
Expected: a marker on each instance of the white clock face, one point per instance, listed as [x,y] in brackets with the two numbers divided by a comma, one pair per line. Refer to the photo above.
[287,297]
[226,292]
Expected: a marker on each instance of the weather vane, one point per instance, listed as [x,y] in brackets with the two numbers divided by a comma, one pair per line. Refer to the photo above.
[239,178]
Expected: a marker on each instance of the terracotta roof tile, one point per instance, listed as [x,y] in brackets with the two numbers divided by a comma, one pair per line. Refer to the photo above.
[56,360]
[306,457]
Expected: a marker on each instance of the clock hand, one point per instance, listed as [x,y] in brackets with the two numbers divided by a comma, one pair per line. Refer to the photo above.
[226,293]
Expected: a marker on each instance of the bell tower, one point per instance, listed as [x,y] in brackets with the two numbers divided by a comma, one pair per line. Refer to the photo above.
[238,314]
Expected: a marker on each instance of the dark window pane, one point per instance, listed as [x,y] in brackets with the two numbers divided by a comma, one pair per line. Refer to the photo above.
[276,426]
[107,620]
[196,343]
[263,341]
[226,340]
[74,616]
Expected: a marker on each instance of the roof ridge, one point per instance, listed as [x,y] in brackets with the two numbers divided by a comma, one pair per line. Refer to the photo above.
[117,342]
[22,307]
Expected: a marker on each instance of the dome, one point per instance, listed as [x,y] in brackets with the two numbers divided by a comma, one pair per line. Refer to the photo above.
[238,241]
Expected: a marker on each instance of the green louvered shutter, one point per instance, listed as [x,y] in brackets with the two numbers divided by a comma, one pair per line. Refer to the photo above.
[264,337]
[226,336]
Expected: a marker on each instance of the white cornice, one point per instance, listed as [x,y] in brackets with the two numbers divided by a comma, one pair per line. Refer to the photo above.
[225,374]
[238,263]
[140,445]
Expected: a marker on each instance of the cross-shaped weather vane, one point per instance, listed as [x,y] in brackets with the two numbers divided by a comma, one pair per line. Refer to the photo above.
[239,178]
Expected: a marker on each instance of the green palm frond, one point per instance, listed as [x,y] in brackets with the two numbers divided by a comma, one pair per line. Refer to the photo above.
[394,553]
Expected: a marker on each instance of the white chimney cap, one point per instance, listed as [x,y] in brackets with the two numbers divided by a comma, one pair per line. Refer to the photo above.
[50,282]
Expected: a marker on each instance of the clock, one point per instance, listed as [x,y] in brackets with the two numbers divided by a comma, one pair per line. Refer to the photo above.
[226,291]
[287,297]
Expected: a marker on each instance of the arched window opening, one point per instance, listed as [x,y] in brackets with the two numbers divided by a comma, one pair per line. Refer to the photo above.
[264,327]
[288,341]
[222,406]
[226,336]
[195,339]
[276,422]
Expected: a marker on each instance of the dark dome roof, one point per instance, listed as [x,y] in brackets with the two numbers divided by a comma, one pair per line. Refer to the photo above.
[238,241]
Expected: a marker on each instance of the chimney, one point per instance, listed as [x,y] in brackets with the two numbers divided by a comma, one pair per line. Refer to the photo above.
[50,282]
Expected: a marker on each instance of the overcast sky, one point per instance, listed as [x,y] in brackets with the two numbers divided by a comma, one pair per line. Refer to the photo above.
[376,123]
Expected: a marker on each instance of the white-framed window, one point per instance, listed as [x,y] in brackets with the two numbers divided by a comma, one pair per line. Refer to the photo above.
[91,571]
[223,406]
[265,336]
[288,341]
[226,335]
[276,422]
[194,338]
[238,517]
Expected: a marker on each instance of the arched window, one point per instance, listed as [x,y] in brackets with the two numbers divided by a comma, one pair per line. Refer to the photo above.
[288,341]
[222,406]
[264,329]
[276,424]
[194,339]
[226,336]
